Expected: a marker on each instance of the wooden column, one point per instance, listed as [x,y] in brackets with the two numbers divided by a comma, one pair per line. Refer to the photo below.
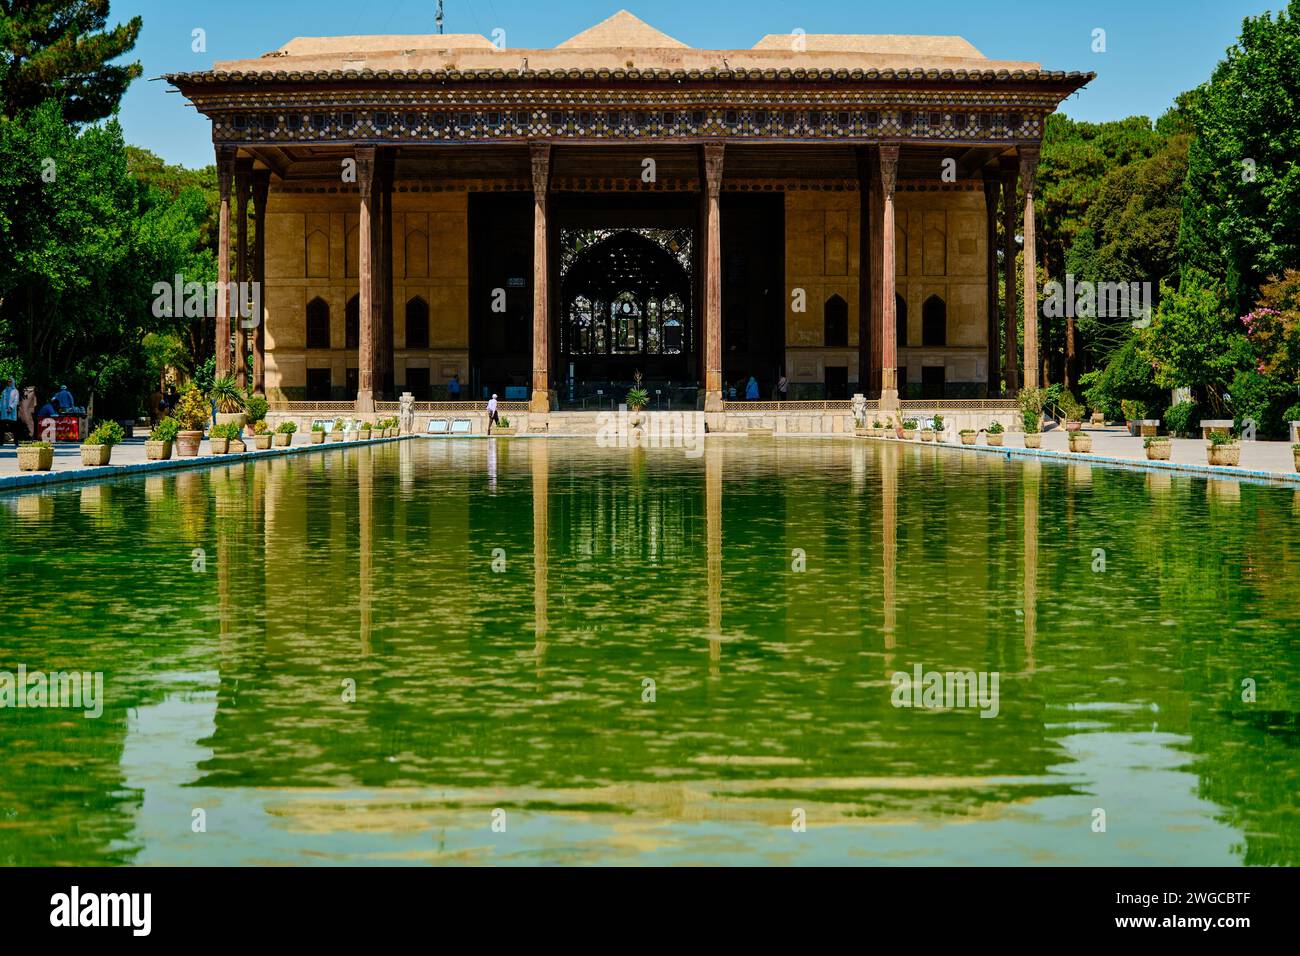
[713,153]
[877,273]
[889,312]
[1010,339]
[385,373]
[866,341]
[541,397]
[243,170]
[367,311]
[225,179]
[261,187]
[1028,182]
[991,189]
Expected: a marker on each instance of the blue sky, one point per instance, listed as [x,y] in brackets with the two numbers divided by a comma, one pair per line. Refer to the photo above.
[1155,48]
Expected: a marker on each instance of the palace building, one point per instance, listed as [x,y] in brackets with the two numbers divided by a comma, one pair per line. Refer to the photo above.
[546,224]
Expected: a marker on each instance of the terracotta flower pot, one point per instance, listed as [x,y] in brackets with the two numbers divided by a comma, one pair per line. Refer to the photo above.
[1223,454]
[220,446]
[1159,450]
[283,439]
[994,440]
[187,444]
[157,450]
[96,455]
[262,442]
[1073,426]
[1079,442]
[968,438]
[1033,440]
[35,459]
[317,438]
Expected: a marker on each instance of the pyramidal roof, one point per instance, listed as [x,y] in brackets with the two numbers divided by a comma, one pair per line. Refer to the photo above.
[622,30]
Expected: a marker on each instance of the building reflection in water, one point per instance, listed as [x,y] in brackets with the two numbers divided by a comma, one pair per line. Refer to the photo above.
[1032,476]
[540,462]
[889,455]
[713,548]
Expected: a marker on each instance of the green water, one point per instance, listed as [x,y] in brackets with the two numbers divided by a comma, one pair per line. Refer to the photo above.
[522,688]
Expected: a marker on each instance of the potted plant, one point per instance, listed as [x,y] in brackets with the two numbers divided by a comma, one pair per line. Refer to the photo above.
[1071,410]
[1080,441]
[993,434]
[938,427]
[35,456]
[363,431]
[1158,449]
[255,409]
[223,436]
[336,434]
[1033,429]
[261,435]
[968,436]
[317,433]
[927,433]
[637,399]
[192,413]
[284,434]
[1295,453]
[1223,449]
[503,426]
[909,429]
[98,449]
[230,401]
[886,429]
[159,445]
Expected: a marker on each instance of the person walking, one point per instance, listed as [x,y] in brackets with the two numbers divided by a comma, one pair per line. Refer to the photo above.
[492,412]
[782,388]
[751,390]
[9,413]
[453,389]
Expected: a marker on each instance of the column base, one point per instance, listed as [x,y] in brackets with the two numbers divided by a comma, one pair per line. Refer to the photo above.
[365,403]
[713,401]
[540,403]
[889,400]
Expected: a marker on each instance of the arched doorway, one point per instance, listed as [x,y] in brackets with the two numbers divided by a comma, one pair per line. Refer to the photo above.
[626,307]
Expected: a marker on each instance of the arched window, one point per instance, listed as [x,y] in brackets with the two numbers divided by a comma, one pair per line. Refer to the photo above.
[934,322]
[417,324]
[672,335]
[836,320]
[318,324]
[352,323]
[900,325]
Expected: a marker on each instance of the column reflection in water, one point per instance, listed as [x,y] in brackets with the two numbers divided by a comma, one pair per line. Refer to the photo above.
[889,454]
[539,460]
[713,546]
[365,538]
[1032,477]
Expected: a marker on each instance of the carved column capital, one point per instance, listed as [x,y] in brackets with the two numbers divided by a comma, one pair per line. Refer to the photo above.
[365,170]
[540,155]
[1029,169]
[713,157]
[889,168]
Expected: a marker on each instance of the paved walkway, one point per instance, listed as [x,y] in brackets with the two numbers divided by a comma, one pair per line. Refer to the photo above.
[129,457]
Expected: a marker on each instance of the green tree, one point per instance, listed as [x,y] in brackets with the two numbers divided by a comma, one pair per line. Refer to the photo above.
[1241,207]
[60,50]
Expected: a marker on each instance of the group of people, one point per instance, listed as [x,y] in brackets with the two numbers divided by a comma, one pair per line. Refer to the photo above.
[750,390]
[19,414]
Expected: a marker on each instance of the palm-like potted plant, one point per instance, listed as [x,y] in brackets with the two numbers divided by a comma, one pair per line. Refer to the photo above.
[1223,449]
[968,436]
[1158,449]
[230,401]
[317,433]
[98,449]
[284,434]
[192,413]
[261,434]
[159,445]
[909,429]
[993,434]
[35,456]
[637,399]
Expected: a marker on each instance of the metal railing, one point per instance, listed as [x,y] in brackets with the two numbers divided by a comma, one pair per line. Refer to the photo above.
[793,408]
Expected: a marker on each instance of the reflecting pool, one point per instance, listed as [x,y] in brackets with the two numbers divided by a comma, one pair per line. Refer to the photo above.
[539,651]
